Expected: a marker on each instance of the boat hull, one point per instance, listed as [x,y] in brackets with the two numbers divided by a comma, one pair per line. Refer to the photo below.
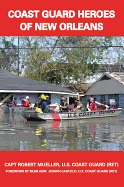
[71,115]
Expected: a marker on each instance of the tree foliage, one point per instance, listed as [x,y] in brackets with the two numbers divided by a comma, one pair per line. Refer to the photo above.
[70,58]
[62,60]
[8,54]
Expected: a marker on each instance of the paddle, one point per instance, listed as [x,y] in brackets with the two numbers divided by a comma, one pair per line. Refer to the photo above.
[5,99]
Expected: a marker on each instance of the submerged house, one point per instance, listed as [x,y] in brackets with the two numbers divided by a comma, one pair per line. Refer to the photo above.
[19,86]
[108,86]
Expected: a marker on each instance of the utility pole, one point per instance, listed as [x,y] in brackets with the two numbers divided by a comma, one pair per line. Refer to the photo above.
[18,55]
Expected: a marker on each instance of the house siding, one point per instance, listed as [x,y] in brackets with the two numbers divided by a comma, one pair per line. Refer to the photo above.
[121,100]
[55,98]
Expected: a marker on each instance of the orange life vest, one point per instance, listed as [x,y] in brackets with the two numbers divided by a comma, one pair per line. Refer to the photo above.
[13,103]
[93,106]
[26,102]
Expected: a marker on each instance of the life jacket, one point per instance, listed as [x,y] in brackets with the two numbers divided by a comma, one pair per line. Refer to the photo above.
[63,104]
[93,106]
[26,103]
[13,103]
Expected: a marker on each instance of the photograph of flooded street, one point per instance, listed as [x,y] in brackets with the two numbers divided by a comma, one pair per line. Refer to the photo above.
[61,93]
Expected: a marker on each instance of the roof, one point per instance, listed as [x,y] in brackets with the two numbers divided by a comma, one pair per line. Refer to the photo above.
[13,83]
[108,83]
[117,76]
[110,67]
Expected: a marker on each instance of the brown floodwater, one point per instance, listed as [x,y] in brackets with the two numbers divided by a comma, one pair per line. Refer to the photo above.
[101,134]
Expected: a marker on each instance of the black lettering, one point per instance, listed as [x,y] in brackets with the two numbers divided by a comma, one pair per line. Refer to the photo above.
[87,114]
[69,115]
[80,114]
[84,114]
[74,115]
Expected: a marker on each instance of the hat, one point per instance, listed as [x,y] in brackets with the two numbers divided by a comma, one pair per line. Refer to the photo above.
[63,99]
[47,96]
[43,97]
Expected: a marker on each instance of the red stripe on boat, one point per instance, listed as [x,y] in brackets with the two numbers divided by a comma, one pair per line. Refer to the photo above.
[56,117]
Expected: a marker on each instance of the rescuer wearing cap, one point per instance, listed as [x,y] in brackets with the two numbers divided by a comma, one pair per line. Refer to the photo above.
[26,102]
[64,105]
[15,101]
[42,98]
[77,105]
[42,104]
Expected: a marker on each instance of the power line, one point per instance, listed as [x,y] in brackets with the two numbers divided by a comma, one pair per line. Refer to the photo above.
[63,47]
[18,55]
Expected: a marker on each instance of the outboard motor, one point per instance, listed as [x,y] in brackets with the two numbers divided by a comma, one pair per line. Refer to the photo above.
[112,103]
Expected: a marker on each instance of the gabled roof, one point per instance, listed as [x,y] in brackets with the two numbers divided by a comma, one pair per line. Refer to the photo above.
[110,67]
[108,83]
[117,76]
[13,83]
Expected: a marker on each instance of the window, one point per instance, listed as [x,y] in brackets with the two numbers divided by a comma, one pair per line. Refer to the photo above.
[102,99]
[116,97]
[104,78]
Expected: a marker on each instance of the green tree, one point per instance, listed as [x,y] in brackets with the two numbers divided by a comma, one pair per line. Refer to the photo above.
[70,57]
[8,54]
[78,58]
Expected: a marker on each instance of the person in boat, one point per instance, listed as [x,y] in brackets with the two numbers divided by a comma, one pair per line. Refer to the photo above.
[22,102]
[48,101]
[77,105]
[25,102]
[37,101]
[44,107]
[64,107]
[43,104]
[14,101]
[42,98]
[27,97]
[92,105]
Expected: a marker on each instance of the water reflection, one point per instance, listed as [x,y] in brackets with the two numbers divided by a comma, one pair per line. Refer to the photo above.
[105,134]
